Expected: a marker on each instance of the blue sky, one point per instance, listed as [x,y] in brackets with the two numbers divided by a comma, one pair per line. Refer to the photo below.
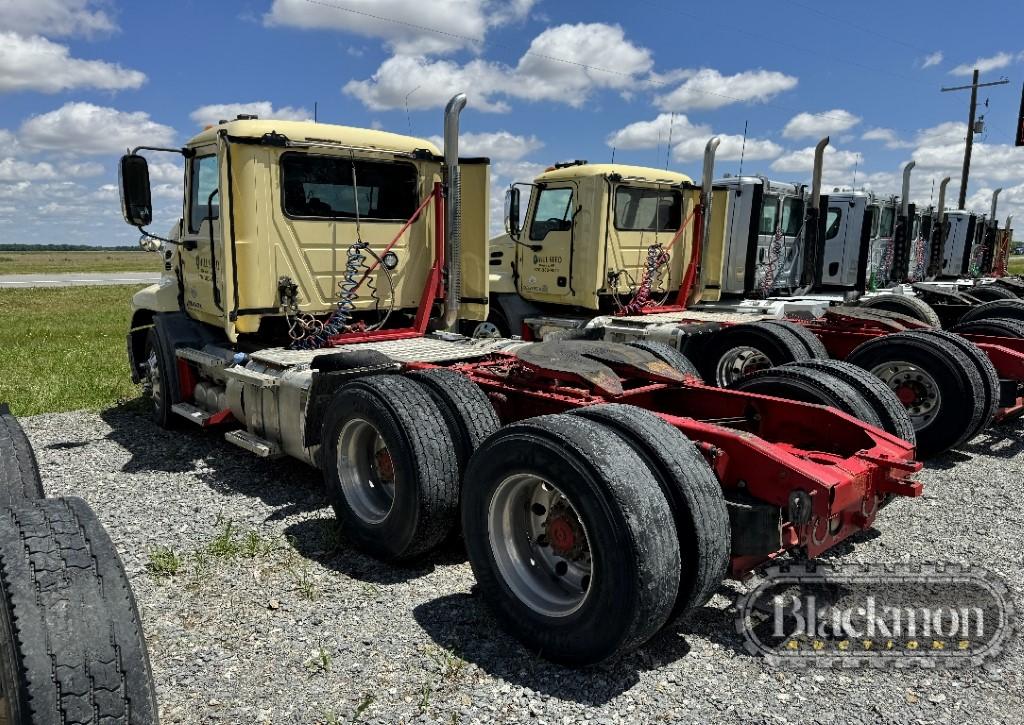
[82,79]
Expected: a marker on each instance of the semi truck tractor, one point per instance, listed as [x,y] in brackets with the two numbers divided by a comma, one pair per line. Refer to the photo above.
[311,305]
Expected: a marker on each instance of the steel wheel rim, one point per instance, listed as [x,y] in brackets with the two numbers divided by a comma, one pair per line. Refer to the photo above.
[366,470]
[739,361]
[901,376]
[540,545]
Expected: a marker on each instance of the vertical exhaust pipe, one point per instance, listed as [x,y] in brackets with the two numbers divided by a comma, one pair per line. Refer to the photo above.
[696,288]
[708,173]
[453,221]
[942,199]
[905,194]
[995,200]
[819,164]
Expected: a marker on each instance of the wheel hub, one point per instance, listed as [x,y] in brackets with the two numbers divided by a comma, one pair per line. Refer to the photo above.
[739,361]
[915,387]
[540,545]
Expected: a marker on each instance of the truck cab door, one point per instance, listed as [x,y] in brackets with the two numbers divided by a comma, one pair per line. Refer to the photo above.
[202,257]
[842,243]
[547,272]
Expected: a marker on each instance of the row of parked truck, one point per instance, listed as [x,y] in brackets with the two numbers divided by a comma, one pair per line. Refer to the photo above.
[647,385]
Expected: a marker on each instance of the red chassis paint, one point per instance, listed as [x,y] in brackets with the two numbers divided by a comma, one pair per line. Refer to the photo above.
[767,448]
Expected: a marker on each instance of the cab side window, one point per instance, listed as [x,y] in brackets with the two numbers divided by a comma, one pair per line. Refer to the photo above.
[204,180]
[769,214]
[832,219]
[553,213]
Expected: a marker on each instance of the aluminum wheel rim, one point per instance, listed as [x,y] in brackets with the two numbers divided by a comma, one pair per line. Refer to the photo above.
[366,471]
[486,330]
[740,361]
[899,374]
[153,378]
[527,519]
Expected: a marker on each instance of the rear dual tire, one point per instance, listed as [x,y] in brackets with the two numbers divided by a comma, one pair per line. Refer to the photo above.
[941,386]
[597,573]
[19,471]
[739,350]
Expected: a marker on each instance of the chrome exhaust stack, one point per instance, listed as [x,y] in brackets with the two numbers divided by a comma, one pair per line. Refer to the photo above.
[453,217]
[995,200]
[707,175]
[905,193]
[942,199]
[819,164]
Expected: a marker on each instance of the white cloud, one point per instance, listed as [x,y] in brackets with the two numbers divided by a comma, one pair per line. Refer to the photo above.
[589,56]
[984,65]
[802,160]
[496,145]
[815,125]
[35,63]
[81,170]
[55,17]
[731,148]
[207,115]
[408,26]
[708,89]
[85,128]
[932,59]
[509,11]
[689,140]
[886,136]
[164,171]
[14,170]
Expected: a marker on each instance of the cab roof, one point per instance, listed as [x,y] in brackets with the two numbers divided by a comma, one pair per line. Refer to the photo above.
[640,173]
[318,132]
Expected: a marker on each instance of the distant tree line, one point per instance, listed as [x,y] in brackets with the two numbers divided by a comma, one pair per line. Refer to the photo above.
[66,248]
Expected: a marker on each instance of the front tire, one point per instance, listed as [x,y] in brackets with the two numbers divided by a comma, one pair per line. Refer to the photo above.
[160,380]
[571,539]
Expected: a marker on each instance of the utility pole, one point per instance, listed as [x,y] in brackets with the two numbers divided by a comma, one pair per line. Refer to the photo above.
[970,128]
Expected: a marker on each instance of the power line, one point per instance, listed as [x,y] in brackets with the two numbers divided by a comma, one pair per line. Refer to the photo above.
[862,28]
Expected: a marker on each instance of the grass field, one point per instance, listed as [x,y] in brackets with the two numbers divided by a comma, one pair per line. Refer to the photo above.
[63,348]
[56,262]
[1016,265]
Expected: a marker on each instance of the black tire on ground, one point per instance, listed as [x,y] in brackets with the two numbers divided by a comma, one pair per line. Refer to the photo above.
[73,649]
[986,371]
[961,395]
[603,494]
[667,354]
[993,327]
[905,305]
[395,485]
[1009,309]
[809,386]
[735,351]
[880,397]
[163,382]
[19,472]
[467,411]
[1014,284]
[990,293]
[815,348]
[693,492]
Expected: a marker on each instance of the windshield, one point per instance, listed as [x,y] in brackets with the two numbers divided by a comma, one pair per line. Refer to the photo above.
[639,209]
[325,187]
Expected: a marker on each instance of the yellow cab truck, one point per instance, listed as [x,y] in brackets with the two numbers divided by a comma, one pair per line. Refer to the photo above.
[641,255]
[311,305]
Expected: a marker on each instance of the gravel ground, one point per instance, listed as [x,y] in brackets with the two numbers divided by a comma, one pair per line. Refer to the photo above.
[271,617]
